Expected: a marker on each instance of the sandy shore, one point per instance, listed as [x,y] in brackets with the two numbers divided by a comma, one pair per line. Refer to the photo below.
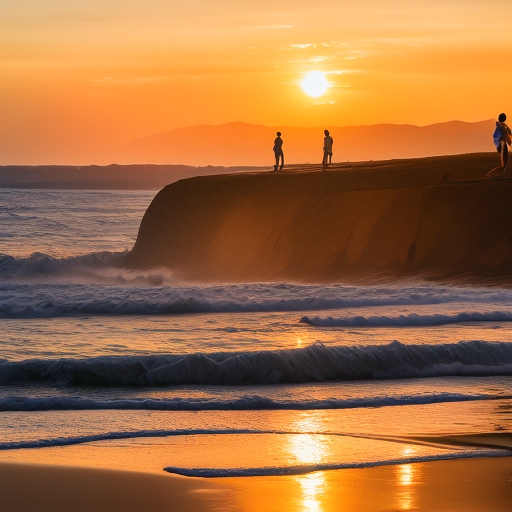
[95,478]
[45,487]
[443,486]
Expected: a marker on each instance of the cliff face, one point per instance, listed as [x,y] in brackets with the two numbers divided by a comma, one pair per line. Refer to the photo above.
[436,218]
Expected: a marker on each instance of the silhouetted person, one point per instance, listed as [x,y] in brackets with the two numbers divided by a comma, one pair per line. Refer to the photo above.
[278,152]
[502,139]
[327,150]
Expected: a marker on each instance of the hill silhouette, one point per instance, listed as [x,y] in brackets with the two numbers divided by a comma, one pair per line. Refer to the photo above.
[251,144]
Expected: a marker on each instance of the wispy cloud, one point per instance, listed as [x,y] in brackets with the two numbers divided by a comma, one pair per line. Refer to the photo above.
[134,80]
[321,103]
[339,72]
[270,27]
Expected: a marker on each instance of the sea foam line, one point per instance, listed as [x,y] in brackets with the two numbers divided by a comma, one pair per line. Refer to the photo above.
[409,320]
[135,434]
[309,468]
[112,436]
[244,403]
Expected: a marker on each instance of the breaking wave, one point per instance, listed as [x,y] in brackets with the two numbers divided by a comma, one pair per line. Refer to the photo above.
[313,363]
[410,320]
[243,403]
[43,265]
[40,286]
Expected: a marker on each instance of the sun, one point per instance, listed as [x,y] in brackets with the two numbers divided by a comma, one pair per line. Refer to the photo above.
[314,84]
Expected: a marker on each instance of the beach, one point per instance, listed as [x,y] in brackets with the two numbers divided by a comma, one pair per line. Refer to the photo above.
[469,485]
[48,487]
[128,385]
[255,256]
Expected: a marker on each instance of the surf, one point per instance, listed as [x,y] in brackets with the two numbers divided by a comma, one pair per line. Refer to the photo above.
[314,363]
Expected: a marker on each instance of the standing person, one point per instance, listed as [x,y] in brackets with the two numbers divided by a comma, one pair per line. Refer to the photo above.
[278,152]
[327,150]
[502,139]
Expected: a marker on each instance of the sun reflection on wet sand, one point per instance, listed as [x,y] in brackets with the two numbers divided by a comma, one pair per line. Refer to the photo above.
[309,449]
[407,478]
[313,488]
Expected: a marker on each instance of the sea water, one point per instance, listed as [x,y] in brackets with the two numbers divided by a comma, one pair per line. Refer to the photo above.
[311,376]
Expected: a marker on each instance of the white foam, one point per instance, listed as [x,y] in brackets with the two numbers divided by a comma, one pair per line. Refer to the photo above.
[109,436]
[410,320]
[94,284]
[40,264]
[309,468]
[243,403]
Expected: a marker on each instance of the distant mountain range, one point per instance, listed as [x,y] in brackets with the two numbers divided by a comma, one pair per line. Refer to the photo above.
[251,144]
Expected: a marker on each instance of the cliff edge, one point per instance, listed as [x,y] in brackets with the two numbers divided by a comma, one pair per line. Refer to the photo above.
[435,218]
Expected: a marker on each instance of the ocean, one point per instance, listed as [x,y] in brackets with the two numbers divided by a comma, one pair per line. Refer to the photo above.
[310,376]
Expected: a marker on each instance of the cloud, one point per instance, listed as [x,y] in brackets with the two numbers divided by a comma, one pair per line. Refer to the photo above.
[271,27]
[134,80]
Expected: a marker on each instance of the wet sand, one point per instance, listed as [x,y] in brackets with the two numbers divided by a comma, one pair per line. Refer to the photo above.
[443,486]
[45,487]
[88,477]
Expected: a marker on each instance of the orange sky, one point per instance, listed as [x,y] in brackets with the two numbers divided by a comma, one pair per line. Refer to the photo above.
[79,77]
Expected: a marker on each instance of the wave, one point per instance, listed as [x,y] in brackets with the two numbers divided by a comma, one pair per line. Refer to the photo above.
[410,320]
[112,436]
[457,453]
[309,468]
[42,265]
[44,287]
[316,362]
[244,403]
[476,451]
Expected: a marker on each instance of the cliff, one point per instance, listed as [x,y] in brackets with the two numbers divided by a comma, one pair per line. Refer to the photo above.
[434,218]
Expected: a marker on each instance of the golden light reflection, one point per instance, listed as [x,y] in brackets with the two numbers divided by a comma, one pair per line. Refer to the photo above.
[313,486]
[309,449]
[406,473]
[306,448]
[407,476]
[300,338]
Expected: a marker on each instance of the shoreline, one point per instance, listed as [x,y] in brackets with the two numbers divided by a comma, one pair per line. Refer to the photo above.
[454,485]
[106,476]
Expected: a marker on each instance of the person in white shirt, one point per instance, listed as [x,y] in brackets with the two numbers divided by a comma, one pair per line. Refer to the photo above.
[327,150]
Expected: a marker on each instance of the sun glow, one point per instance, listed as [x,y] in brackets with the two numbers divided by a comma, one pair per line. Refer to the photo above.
[314,84]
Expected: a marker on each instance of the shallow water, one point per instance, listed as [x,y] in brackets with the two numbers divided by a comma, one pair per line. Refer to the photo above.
[90,352]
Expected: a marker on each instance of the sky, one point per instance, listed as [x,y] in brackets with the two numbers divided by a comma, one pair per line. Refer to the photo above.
[78,78]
